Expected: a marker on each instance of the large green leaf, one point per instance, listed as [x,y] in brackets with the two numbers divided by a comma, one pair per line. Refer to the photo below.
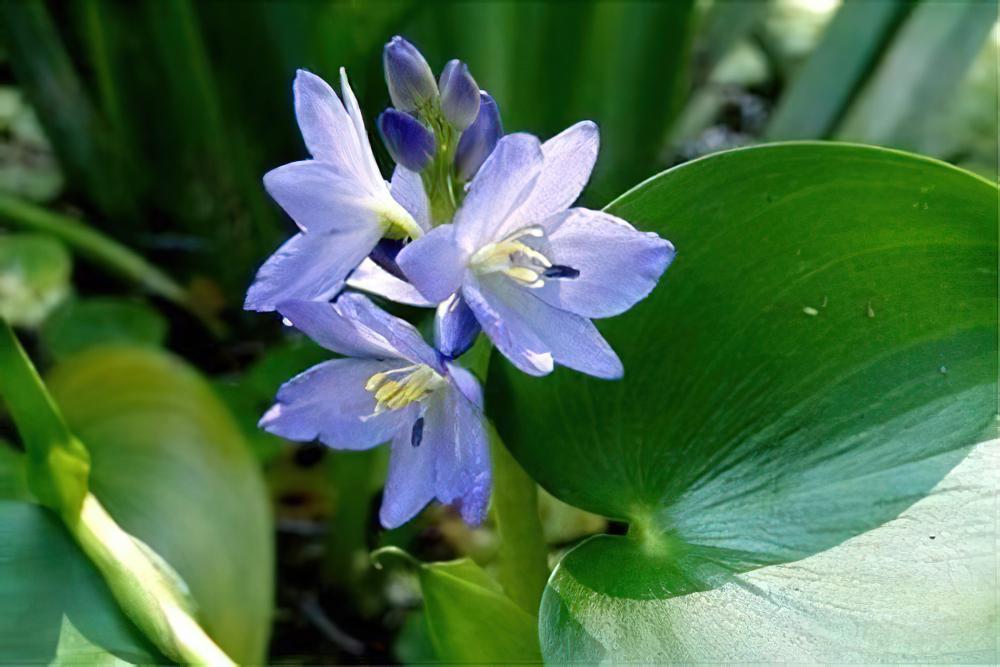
[921,588]
[169,463]
[821,353]
[53,602]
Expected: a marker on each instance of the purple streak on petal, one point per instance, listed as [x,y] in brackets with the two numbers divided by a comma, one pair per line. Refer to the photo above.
[410,483]
[618,265]
[409,143]
[320,197]
[455,327]
[528,323]
[502,184]
[371,278]
[569,158]
[307,266]
[479,139]
[407,188]
[434,263]
[376,325]
[329,402]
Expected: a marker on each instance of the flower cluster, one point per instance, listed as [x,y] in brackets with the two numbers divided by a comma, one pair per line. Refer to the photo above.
[476,224]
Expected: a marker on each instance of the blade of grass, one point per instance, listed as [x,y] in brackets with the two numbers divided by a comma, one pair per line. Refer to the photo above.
[919,72]
[847,53]
[102,250]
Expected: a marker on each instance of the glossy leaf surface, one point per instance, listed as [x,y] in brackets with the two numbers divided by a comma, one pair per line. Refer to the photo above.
[821,353]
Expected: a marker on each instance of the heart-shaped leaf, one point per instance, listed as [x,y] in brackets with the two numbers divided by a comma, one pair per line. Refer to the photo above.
[821,353]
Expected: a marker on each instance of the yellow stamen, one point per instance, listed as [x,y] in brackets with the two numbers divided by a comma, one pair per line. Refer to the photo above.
[415,383]
[513,257]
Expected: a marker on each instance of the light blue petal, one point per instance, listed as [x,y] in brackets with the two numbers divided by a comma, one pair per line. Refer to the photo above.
[307,266]
[525,329]
[374,324]
[618,265]
[434,263]
[407,188]
[500,186]
[455,327]
[329,403]
[410,482]
[354,326]
[321,198]
[568,160]
[462,470]
[372,278]
[326,324]
[331,134]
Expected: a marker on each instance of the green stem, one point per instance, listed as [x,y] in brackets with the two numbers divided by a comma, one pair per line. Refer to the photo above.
[103,250]
[523,554]
[523,561]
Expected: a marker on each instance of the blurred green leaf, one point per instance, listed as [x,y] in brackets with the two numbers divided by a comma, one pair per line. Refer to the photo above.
[821,353]
[45,70]
[53,601]
[57,463]
[170,465]
[920,72]
[80,324]
[847,53]
[34,277]
[13,474]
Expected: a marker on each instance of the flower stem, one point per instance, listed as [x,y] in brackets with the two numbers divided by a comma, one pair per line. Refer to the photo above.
[523,554]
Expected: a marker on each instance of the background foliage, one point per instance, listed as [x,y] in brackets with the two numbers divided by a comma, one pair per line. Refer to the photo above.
[132,141]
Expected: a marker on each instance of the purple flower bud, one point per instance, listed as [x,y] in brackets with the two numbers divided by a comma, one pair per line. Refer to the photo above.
[478,140]
[459,95]
[410,143]
[408,76]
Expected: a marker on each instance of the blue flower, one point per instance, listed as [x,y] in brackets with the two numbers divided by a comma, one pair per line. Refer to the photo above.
[532,270]
[391,385]
[408,76]
[339,201]
[410,144]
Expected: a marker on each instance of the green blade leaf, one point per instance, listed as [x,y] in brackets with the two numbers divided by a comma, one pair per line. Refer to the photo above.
[847,53]
[101,321]
[821,353]
[919,73]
